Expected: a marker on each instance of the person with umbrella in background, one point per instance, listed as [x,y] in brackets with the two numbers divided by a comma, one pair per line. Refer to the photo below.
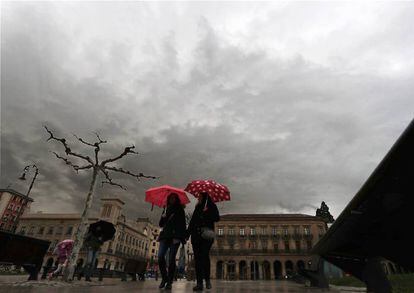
[172,235]
[98,233]
[63,250]
[201,226]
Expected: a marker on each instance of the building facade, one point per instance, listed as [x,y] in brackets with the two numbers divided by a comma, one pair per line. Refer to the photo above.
[13,205]
[132,240]
[263,246]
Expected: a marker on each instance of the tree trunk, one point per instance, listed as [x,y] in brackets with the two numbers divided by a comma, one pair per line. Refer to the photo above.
[82,229]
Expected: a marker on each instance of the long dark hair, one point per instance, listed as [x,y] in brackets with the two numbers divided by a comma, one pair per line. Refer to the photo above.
[205,200]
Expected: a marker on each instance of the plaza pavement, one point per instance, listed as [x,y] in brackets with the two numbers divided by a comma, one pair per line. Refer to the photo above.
[18,284]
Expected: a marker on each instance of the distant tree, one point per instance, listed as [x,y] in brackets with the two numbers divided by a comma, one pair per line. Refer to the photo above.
[96,165]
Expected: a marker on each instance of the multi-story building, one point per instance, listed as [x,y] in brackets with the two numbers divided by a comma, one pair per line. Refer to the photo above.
[13,204]
[263,246]
[133,239]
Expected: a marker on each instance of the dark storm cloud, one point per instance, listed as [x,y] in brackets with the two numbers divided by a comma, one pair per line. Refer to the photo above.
[283,132]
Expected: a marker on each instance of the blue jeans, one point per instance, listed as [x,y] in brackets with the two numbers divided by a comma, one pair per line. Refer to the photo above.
[172,247]
[90,262]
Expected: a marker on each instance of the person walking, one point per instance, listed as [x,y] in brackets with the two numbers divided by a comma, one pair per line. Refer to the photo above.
[92,242]
[201,230]
[172,235]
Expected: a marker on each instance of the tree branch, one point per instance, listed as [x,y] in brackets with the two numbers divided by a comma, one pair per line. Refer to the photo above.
[120,170]
[127,150]
[83,141]
[76,167]
[68,151]
[110,179]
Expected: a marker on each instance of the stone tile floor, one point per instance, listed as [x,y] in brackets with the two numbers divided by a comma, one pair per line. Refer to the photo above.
[17,284]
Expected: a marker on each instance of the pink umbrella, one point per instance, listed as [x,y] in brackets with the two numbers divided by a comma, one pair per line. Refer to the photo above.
[158,195]
[65,246]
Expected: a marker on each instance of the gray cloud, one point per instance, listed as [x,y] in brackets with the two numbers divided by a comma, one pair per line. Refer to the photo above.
[285,113]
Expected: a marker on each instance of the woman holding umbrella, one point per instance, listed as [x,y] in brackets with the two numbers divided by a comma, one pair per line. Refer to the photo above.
[172,235]
[201,230]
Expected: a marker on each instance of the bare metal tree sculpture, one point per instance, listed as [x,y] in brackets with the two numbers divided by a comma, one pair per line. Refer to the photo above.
[97,166]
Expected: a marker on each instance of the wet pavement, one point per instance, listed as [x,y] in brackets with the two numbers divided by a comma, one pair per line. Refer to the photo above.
[17,284]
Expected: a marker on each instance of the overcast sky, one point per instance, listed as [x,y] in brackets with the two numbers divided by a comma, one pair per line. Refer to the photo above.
[286,104]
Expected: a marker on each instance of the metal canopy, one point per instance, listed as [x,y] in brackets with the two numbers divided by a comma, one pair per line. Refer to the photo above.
[379,220]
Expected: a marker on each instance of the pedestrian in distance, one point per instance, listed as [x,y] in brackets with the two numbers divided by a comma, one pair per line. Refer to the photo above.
[201,230]
[173,234]
[92,242]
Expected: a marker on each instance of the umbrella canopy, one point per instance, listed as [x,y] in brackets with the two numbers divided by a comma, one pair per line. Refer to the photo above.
[65,246]
[158,195]
[103,229]
[217,191]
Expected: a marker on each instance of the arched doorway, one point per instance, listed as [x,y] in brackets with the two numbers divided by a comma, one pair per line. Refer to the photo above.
[300,264]
[266,270]
[254,270]
[289,268]
[277,267]
[219,270]
[231,270]
[242,270]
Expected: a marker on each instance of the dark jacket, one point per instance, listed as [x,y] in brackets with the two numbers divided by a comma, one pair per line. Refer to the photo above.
[92,242]
[173,224]
[203,218]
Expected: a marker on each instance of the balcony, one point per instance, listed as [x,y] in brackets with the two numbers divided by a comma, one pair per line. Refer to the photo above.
[308,236]
[264,236]
[254,236]
[286,236]
[297,236]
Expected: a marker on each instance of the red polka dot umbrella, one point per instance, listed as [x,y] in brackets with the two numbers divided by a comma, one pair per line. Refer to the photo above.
[217,191]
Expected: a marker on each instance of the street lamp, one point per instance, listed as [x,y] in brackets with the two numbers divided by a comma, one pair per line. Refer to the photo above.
[23,177]
[26,200]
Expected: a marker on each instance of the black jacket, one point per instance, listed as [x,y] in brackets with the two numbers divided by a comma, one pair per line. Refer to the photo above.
[203,218]
[173,224]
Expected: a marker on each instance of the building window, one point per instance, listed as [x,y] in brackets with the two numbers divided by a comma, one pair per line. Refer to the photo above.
[50,231]
[231,231]
[11,206]
[285,231]
[287,248]
[275,247]
[31,230]
[17,209]
[252,231]
[41,230]
[241,231]
[69,230]
[306,230]
[59,230]
[252,245]
[309,245]
[274,231]
[296,229]
[220,231]
[321,230]
[297,244]
[23,230]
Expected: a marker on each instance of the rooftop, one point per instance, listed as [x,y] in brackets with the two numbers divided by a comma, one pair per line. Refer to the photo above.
[269,216]
[14,192]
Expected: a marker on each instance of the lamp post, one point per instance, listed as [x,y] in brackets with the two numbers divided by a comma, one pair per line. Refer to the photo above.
[26,200]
